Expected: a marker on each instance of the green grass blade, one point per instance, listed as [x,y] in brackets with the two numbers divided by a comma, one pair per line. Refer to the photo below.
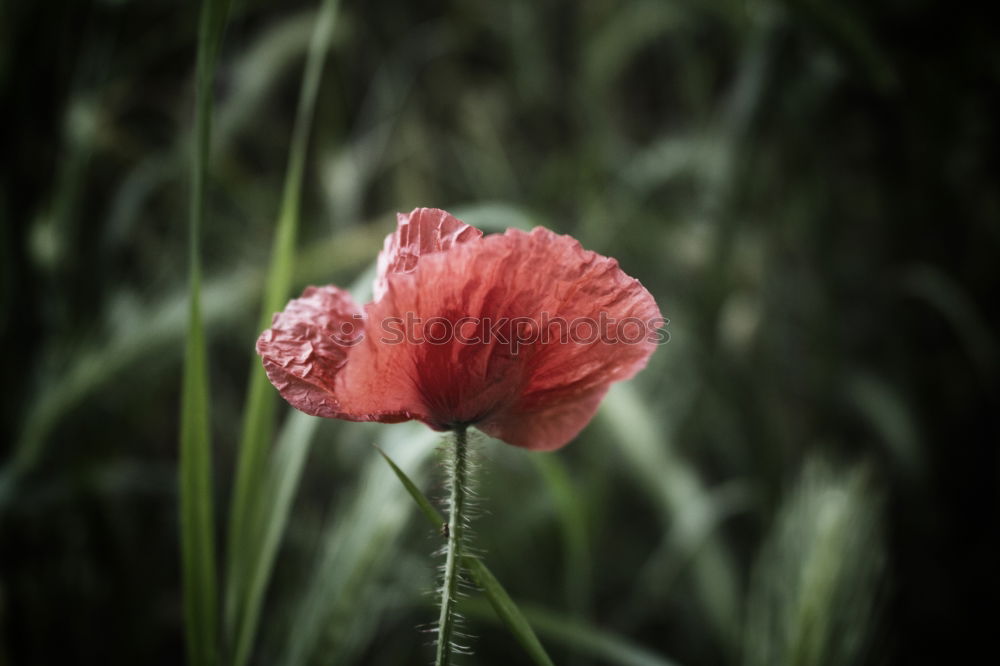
[582,638]
[503,605]
[283,480]
[507,611]
[196,506]
[432,514]
[259,414]
[686,504]
[195,474]
[570,506]
[337,614]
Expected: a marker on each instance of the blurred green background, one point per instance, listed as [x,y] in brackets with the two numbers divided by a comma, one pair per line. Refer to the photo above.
[805,474]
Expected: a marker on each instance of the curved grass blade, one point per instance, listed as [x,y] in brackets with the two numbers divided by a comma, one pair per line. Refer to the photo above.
[275,505]
[583,638]
[684,502]
[503,605]
[245,532]
[195,475]
[332,619]
[507,611]
[424,504]
[572,518]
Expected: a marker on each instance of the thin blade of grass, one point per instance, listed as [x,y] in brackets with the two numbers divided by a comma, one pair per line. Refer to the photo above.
[426,508]
[359,545]
[196,506]
[195,474]
[283,479]
[685,503]
[502,604]
[571,513]
[582,638]
[507,611]
[245,528]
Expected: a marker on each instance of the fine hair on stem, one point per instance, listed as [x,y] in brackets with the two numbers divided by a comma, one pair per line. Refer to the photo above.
[459,465]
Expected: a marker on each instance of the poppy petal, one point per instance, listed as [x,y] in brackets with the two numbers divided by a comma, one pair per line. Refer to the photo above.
[306,347]
[515,332]
[421,232]
[545,428]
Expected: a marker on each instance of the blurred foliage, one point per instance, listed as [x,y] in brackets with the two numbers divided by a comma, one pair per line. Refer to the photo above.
[809,188]
[816,586]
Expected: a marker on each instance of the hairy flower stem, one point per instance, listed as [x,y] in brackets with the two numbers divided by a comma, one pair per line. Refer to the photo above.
[458,482]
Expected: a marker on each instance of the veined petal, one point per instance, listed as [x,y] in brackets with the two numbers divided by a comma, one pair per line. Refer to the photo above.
[422,232]
[520,333]
[545,427]
[307,346]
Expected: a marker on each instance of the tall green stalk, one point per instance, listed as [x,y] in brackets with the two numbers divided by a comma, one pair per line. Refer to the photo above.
[458,482]
[251,540]
[195,473]
[504,607]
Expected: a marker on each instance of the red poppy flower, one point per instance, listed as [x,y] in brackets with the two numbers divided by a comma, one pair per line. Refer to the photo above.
[518,334]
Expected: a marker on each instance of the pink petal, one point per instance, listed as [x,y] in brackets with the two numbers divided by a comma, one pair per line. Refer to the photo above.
[537,395]
[307,346]
[545,428]
[422,232]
